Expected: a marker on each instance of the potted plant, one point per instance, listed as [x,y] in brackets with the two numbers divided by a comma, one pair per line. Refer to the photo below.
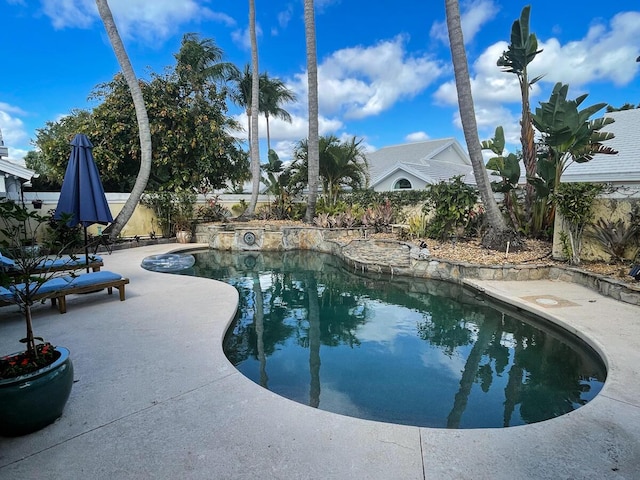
[34,383]
[183,230]
[184,211]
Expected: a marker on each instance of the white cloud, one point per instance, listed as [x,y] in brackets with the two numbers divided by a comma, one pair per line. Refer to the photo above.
[279,130]
[606,53]
[473,15]
[71,13]
[417,137]
[242,38]
[359,82]
[322,5]
[14,135]
[150,21]
[284,16]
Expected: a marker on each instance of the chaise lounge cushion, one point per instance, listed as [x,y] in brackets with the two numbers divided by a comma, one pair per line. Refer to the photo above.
[50,286]
[92,278]
[6,295]
[69,262]
[6,262]
[57,289]
[62,263]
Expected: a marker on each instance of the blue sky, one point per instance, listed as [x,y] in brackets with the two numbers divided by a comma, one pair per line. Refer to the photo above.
[385,73]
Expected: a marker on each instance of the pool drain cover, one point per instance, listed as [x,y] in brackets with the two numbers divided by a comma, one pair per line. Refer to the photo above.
[249,238]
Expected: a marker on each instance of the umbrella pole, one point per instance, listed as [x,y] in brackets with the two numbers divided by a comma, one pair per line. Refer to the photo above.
[86,249]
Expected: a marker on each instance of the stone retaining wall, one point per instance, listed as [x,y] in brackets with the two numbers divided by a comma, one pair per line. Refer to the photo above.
[401,258]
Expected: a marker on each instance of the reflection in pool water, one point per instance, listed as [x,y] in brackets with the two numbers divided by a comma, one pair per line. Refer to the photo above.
[393,349]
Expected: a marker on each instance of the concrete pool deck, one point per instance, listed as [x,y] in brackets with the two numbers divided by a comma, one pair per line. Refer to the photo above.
[156,398]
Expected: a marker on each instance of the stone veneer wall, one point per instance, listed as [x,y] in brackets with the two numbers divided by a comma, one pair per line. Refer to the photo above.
[400,258]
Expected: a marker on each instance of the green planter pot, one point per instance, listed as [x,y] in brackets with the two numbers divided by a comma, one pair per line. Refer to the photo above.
[33,401]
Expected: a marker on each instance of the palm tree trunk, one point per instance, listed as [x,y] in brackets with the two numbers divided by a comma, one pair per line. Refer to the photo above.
[259,325]
[249,126]
[141,115]
[255,98]
[485,334]
[495,238]
[266,117]
[313,140]
[314,342]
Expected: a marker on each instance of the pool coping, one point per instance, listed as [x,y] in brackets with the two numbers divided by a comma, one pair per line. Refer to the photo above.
[154,415]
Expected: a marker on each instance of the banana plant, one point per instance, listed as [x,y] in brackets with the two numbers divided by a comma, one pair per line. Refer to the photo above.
[568,134]
[520,53]
[508,169]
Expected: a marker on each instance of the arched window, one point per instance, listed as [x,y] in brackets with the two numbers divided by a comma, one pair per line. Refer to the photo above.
[402,184]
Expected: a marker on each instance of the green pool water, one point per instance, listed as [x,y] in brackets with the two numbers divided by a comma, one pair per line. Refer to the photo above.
[393,349]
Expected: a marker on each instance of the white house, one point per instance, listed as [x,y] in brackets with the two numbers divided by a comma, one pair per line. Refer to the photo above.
[12,175]
[415,165]
[621,169]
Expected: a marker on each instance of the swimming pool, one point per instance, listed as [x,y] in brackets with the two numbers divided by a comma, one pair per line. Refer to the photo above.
[394,349]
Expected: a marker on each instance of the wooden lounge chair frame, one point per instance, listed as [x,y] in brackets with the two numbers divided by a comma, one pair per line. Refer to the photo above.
[59,297]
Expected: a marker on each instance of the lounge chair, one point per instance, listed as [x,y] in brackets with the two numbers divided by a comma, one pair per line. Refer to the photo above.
[58,288]
[76,262]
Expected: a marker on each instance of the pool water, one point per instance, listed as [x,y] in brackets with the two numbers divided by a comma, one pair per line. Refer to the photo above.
[396,349]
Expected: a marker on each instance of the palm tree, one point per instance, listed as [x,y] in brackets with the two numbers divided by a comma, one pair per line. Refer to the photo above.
[312,79]
[241,95]
[141,115]
[199,62]
[273,93]
[254,146]
[498,234]
[521,52]
[339,164]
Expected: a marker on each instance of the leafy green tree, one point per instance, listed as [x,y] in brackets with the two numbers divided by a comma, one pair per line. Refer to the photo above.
[341,164]
[190,139]
[52,142]
[520,53]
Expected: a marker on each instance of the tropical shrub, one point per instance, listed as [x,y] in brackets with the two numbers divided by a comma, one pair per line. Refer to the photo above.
[574,201]
[418,225]
[451,204]
[619,238]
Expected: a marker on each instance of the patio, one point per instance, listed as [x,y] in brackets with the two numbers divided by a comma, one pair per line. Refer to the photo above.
[155,397]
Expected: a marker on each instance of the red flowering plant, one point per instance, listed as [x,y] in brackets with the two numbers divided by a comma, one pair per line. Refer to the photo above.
[24,269]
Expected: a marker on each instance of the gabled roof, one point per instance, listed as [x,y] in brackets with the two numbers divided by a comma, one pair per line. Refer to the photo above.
[622,167]
[8,168]
[419,159]
[431,173]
